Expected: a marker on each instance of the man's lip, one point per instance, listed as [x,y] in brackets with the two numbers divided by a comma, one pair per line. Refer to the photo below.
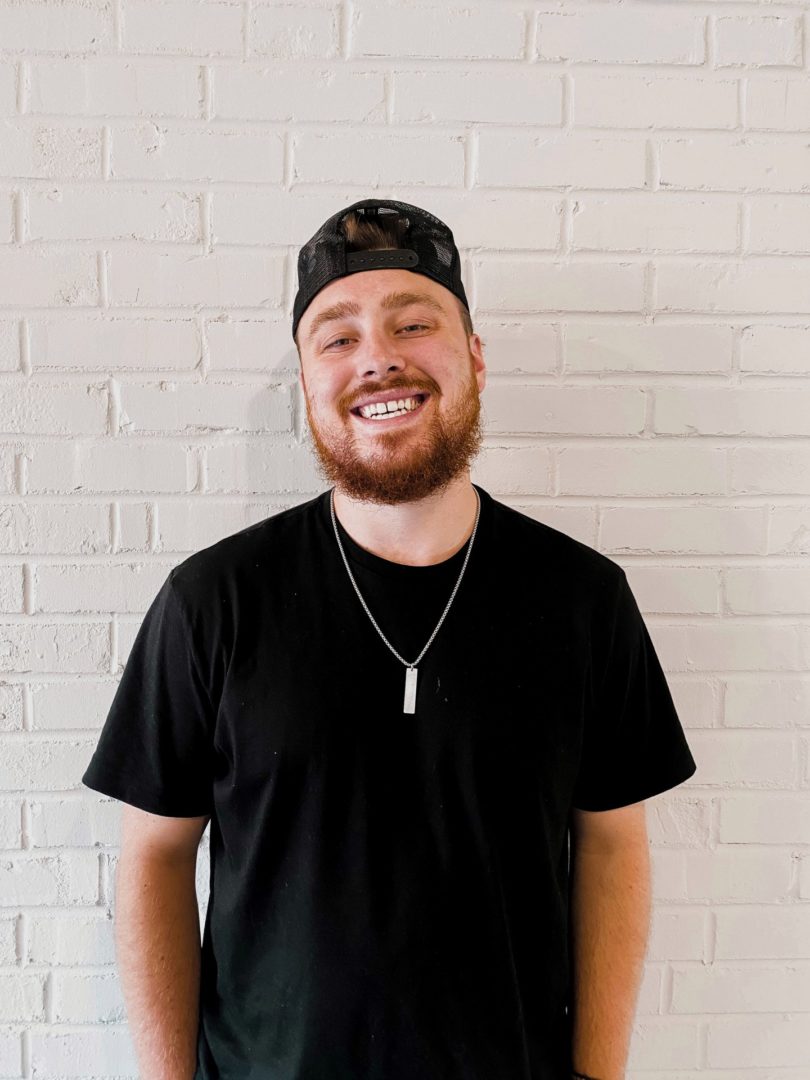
[401,419]
[390,395]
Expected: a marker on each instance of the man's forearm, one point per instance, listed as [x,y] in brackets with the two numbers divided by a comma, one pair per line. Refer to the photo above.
[157,932]
[610,922]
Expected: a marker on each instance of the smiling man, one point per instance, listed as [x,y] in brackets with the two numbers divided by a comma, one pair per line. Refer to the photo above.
[422,725]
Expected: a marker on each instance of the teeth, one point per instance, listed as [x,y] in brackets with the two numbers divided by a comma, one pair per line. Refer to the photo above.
[386,408]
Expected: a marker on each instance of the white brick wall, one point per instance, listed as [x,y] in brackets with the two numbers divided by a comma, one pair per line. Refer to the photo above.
[630,187]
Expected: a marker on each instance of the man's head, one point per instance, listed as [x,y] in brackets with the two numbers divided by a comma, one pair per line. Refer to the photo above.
[393,333]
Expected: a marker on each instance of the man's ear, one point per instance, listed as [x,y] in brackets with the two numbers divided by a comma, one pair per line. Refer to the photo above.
[477,350]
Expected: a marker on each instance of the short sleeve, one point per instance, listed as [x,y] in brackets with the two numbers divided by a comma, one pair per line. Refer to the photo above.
[633,746]
[155,750]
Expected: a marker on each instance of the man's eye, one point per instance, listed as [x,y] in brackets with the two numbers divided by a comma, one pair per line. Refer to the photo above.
[410,326]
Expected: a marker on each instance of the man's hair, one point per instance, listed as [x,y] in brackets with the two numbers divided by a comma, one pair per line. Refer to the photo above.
[382,234]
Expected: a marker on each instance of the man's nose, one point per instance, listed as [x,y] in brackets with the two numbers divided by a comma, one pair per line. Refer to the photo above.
[378,357]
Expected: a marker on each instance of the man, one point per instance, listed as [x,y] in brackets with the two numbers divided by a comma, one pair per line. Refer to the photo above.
[394,702]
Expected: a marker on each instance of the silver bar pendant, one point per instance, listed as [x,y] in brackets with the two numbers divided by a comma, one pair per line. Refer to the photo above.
[409,705]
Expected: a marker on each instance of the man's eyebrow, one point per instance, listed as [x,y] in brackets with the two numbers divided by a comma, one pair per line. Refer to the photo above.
[390,302]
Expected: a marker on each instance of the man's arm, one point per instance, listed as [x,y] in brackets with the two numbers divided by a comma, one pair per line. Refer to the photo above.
[610,922]
[157,931]
[157,934]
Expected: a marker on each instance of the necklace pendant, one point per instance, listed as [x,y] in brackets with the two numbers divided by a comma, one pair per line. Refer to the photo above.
[409,705]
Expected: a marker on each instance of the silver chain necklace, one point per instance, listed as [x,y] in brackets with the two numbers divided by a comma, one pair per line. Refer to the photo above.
[409,704]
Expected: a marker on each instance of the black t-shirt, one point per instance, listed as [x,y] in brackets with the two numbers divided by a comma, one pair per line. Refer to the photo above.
[389,892]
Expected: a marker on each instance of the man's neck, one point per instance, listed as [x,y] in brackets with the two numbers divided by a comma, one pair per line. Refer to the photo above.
[420,533]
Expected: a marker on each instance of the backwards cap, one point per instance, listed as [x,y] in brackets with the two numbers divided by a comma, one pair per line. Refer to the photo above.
[430,250]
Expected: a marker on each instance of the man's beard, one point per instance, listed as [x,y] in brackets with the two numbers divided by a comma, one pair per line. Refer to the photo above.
[402,466]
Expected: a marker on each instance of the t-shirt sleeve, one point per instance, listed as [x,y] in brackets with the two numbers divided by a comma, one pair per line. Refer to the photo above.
[155,750]
[633,746]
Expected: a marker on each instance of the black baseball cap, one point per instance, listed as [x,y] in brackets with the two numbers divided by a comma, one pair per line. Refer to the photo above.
[430,250]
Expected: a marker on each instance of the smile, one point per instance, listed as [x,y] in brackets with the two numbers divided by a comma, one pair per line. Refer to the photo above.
[391,413]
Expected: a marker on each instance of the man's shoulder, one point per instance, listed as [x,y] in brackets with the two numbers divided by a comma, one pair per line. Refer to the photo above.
[238,556]
[553,551]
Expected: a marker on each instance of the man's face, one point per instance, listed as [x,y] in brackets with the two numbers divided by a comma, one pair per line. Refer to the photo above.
[385,345]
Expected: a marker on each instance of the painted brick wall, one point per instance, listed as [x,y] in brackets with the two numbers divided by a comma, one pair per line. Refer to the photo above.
[630,187]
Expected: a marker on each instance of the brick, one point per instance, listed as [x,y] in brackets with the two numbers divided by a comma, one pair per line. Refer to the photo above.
[91,588]
[7,469]
[133,527]
[436,31]
[260,467]
[778,103]
[729,875]
[239,279]
[72,939]
[11,589]
[6,218]
[653,101]
[645,469]
[513,470]
[54,647]
[662,347]
[523,96]
[80,998]
[75,821]
[766,703]
[519,285]
[677,935]
[654,222]
[11,708]
[756,758]
[748,932]
[111,465]
[559,160]
[685,530]
[729,411]
[9,345]
[789,530]
[249,344]
[22,997]
[517,347]
[768,591]
[758,41]
[54,528]
[723,988]
[662,1043]
[80,703]
[48,279]
[294,32]
[203,408]
[46,764]
[115,213]
[192,524]
[732,646]
[44,407]
[734,163]
[120,86]
[779,225]
[757,284]
[292,92]
[378,158]
[72,1055]
[185,28]
[769,471]
[780,349]
[39,151]
[170,152]
[617,36]
[670,591]
[114,343]
[548,410]
[71,26]
[743,1042]
[8,86]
